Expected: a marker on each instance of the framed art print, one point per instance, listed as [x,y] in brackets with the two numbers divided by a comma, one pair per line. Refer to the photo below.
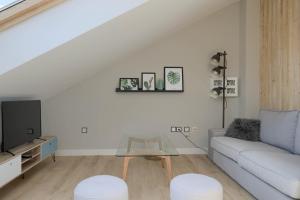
[148,81]
[216,82]
[173,78]
[128,84]
[231,92]
[232,87]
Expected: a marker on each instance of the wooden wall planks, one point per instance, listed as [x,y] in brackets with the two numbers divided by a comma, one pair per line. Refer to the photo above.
[280,54]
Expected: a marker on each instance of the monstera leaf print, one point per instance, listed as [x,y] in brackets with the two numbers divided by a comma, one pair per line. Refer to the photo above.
[173,77]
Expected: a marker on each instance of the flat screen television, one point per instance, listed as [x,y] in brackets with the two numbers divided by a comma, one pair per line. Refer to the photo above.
[21,122]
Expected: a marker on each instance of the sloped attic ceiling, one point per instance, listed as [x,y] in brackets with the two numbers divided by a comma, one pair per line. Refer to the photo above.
[78,59]
[60,24]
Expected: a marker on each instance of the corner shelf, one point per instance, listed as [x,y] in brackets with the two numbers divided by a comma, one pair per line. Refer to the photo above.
[150,91]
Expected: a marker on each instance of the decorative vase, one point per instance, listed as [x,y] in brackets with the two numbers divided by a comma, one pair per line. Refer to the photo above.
[160,84]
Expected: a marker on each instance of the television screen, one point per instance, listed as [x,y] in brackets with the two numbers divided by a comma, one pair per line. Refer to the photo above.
[21,122]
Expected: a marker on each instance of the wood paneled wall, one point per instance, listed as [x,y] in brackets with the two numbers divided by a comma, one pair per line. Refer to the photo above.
[280,54]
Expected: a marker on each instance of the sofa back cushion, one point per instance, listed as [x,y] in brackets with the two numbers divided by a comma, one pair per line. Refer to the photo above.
[278,128]
[297,138]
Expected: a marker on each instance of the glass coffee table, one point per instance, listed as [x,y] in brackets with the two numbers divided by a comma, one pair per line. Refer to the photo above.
[153,146]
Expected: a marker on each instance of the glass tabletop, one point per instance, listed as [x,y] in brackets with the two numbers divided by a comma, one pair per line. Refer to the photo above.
[142,145]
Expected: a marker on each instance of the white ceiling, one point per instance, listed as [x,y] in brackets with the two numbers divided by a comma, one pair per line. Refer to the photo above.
[80,58]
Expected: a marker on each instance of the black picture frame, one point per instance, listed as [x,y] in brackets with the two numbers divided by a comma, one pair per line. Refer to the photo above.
[154,81]
[122,88]
[182,79]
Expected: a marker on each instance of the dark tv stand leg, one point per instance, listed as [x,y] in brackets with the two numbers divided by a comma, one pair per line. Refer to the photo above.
[23,176]
[53,157]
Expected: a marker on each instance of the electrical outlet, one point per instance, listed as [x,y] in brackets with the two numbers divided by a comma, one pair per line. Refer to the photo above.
[187,129]
[179,129]
[84,130]
[173,129]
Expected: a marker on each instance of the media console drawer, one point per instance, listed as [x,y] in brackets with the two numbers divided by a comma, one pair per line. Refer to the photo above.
[10,170]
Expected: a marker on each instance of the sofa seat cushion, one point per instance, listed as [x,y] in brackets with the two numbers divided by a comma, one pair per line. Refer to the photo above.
[232,147]
[280,170]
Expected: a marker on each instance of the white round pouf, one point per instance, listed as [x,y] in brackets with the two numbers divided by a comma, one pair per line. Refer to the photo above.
[195,187]
[101,188]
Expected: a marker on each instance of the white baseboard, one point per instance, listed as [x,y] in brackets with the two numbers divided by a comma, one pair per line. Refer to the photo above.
[111,152]
[85,152]
[189,151]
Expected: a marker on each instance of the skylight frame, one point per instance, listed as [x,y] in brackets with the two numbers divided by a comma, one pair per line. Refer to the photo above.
[23,10]
[14,3]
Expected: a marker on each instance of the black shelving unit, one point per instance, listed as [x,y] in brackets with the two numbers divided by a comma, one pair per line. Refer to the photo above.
[150,91]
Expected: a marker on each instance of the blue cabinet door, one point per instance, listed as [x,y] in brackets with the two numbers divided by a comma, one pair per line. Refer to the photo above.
[49,148]
[53,145]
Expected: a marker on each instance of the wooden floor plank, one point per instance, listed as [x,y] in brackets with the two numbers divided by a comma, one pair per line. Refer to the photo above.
[147,180]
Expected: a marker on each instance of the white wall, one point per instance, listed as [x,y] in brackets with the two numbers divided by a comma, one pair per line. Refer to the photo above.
[108,115]
[68,64]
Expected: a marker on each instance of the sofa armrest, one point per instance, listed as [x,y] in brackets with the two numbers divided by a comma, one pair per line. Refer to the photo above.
[214,133]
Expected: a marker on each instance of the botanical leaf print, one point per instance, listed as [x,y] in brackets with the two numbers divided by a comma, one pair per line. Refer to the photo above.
[173,77]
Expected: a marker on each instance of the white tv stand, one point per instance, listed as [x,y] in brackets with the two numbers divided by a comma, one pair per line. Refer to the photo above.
[35,152]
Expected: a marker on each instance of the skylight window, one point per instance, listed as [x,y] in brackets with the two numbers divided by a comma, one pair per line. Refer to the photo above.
[6,4]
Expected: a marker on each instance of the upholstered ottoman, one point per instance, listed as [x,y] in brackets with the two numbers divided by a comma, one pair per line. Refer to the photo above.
[195,187]
[101,188]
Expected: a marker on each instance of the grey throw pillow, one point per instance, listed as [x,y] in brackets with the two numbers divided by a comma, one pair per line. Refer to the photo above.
[245,129]
[278,128]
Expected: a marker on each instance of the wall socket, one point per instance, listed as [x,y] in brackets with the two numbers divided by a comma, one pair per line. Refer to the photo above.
[180,129]
[173,129]
[84,130]
[187,129]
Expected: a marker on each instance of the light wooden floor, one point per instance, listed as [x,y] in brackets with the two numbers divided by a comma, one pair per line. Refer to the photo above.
[146,179]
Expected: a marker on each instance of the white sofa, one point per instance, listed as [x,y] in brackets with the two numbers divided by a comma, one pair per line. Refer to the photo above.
[266,171]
